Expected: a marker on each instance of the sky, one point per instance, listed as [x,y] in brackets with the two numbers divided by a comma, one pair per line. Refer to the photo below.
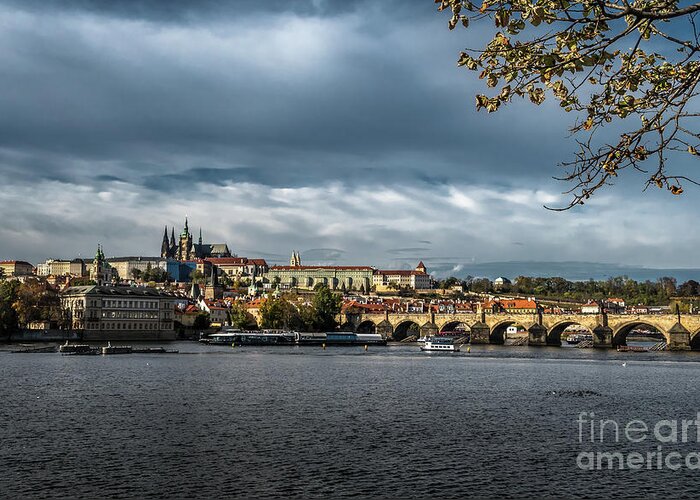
[343,130]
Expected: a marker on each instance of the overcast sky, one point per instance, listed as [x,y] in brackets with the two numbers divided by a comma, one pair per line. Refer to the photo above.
[341,129]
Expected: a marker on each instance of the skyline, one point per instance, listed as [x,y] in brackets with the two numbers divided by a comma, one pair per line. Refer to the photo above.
[338,131]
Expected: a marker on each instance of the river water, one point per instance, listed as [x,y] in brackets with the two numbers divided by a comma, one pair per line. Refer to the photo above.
[393,422]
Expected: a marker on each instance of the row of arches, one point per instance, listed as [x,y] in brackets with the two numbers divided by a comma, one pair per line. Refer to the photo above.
[502,332]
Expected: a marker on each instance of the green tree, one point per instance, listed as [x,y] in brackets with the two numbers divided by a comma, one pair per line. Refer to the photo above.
[689,288]
[278,312]
[326,306]
[36,301]
[480,285]
[8,315]
[198,277]
[136,273]
[632,66]
[201,321]
[239,317]
[82,282]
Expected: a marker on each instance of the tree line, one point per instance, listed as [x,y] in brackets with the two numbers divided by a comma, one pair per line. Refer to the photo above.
[24,303]
[284,312]
[647,292]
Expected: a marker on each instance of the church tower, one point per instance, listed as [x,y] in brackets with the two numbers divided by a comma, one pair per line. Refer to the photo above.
[184,251]
[165,246]
[295,260]
[100,271]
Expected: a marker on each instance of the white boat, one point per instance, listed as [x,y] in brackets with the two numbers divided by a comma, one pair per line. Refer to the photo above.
[439,344]
[577,338]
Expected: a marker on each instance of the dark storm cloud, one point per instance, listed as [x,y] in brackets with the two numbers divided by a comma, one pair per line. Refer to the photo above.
[187,10]
[351,99]
[343,127]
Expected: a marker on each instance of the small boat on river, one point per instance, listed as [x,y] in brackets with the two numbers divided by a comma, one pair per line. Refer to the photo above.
[439,344]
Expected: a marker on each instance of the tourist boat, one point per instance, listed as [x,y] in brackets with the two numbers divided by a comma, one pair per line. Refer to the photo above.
[350,338]
[246,337]
[440,344]
[116,349]
[78,349]
[577,338]
[310,338]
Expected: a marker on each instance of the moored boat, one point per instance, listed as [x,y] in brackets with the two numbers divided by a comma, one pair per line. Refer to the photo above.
[242,337]
[116,349]
[440,344]
[350,338]
[576,338]
[78,349]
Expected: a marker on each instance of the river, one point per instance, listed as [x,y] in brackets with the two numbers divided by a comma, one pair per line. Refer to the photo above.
[215,421]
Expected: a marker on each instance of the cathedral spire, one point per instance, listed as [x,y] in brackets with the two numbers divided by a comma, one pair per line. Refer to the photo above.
[165,246]
[200,236]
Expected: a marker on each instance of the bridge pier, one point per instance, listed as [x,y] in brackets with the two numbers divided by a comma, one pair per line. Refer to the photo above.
[679,338]
[602,336]
[537,335]
[385,329]
[428,329]
[480,333]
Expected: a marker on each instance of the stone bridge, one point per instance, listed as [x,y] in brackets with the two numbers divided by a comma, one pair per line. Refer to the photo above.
[608,330]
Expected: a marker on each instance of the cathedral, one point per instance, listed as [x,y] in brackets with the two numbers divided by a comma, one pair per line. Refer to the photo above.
[187,249]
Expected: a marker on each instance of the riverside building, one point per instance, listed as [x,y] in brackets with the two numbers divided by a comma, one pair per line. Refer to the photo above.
[120,312]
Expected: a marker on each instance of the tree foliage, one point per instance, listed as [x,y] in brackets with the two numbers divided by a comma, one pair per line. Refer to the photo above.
[326,306]
[238,316]
[197,277]
[278,312]
[633,292]
[629,64]
[320,315]
[8,315]
[36,301]
[201,321]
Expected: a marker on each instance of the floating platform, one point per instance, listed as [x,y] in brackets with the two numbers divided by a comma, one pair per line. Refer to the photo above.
[631,348]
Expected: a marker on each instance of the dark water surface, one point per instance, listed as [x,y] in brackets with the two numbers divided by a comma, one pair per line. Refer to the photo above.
[393,422]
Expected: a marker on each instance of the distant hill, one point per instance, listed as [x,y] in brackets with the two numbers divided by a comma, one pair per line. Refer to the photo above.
[574,271]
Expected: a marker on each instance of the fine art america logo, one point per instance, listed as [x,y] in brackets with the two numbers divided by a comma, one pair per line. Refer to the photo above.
[640,444]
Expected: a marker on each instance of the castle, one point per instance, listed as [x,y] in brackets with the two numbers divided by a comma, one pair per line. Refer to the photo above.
[187,249]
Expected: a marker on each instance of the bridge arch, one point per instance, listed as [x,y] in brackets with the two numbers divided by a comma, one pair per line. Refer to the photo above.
[367,326]
[556,331]
[498,333]
[695,340]
[454,325]
[405,329]
[620,334]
